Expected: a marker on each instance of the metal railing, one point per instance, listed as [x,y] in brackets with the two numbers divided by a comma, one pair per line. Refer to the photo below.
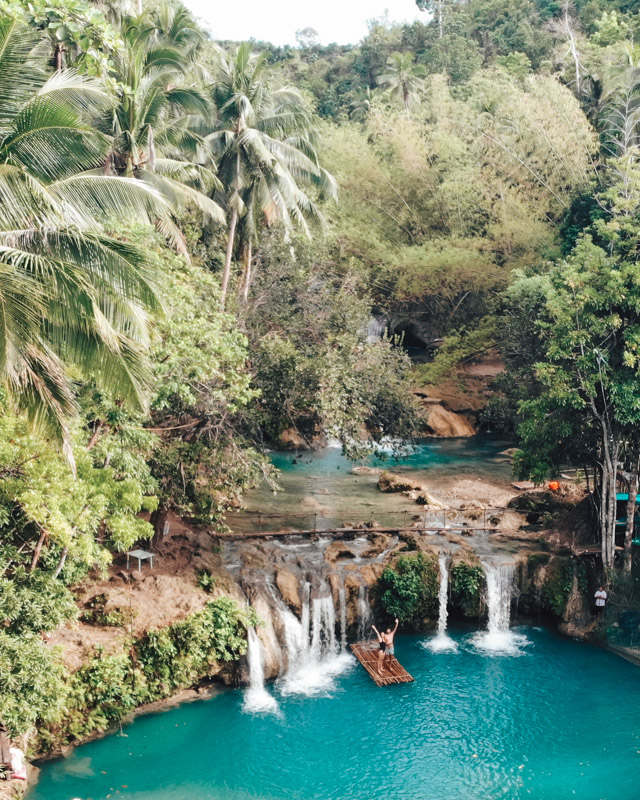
[258,522]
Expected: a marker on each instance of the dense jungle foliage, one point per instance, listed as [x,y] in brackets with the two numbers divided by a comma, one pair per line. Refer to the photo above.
[194,237]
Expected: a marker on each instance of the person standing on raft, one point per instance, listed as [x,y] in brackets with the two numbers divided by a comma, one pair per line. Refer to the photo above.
[385,641]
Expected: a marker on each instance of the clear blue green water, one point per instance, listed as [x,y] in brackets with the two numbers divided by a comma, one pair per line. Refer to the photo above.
[320,487]
[561,720]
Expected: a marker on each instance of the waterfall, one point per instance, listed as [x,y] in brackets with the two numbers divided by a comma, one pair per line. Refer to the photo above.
[442,595]
[376,328]
[314,655]
[498,638]
[499,587]
[442,642]
[257,699]
[364,613]
[343,618]
[323,627]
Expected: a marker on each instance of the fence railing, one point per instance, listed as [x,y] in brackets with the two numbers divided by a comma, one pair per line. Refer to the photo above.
[259,522]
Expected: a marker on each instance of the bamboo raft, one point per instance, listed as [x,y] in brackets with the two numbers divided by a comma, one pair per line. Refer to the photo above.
[394,672]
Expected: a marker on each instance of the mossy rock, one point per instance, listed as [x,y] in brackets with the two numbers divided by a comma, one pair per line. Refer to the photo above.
[535,561]
[558,582]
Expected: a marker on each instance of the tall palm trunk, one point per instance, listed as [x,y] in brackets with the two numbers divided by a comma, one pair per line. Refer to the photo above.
[227,261]
[246,285]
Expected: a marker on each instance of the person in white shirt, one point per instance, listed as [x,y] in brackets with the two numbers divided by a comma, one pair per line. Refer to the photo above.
[601,600]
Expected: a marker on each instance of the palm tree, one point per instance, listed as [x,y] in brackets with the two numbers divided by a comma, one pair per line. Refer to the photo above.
[403,79]
[73,300]
[619,116]
[151,121]
[264,145]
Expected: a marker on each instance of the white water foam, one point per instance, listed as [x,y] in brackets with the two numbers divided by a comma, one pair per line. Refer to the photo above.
[313,652]
[257,699]
[498,639]
[442,643]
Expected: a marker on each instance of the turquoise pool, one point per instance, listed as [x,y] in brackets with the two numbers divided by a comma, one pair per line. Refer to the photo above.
[555,721]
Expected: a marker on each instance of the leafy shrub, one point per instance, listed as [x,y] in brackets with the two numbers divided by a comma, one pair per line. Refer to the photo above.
[467,581]
[34,602]
[31,682]
[206,581]
[409,589]
[158,663]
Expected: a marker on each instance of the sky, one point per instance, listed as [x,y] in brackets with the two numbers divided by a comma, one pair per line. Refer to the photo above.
[276,21]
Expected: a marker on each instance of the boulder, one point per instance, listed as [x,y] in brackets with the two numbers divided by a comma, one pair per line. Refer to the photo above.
[388,482]
[447,424]
[337,550]
[362,470]
[292,439]
[288,587]
[378,543]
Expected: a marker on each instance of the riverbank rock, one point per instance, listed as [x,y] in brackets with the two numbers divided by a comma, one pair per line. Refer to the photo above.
[388,482]
[291,439]
[287,584]
[447,424]
[363,470]
[414,490]
[10,790]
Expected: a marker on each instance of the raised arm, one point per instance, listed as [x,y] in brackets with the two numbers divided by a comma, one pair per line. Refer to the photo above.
[377,633]
[397,623]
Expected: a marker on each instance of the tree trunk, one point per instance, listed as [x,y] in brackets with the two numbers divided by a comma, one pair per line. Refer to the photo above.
[38,549]
[58,57]
[95,436]
[63,558]
[158,519]
[247,271]
[610,453]
[227,261]
[440,19]
[631,513]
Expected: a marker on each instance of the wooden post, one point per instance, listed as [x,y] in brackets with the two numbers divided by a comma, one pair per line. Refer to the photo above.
[259,522]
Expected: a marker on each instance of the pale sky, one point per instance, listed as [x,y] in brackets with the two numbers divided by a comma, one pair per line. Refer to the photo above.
[341,21]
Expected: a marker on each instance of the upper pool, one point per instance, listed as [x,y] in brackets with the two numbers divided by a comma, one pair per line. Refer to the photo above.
[555,721]
[320,488]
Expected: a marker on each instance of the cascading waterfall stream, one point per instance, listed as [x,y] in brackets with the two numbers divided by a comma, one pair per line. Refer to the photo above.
[364,613]
[498,638]
[257,699]
[442,642]
[313,653]
[343,618]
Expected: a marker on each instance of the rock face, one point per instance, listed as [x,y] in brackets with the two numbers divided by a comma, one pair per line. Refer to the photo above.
[287,584]
[447,424]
